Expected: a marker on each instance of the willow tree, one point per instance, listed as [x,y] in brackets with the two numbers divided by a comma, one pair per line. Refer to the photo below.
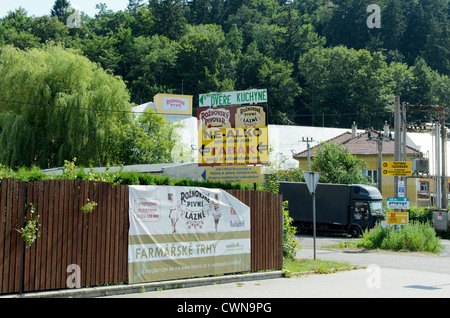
[56,105]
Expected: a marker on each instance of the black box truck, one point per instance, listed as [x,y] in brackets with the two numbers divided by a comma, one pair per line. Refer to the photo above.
[340,208]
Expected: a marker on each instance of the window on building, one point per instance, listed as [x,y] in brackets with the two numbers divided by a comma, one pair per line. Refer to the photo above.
[423,186]
[372,175]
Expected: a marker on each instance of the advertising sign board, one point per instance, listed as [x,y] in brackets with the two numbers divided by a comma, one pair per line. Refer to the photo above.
[397,218]
[233,136]
[254,96]
[179,232]
[397,203]
[397,164]
[173,104]
[234,174]
[397,172]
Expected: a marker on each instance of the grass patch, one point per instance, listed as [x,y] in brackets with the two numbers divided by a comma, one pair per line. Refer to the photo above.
[294,266]
[414,237]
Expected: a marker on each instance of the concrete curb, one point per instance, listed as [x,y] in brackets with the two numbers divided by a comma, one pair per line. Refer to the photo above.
[101,291]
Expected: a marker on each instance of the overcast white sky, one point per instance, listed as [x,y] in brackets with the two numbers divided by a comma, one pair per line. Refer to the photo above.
[43,7]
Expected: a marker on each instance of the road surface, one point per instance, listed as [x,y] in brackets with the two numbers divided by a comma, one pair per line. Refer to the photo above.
[387,275]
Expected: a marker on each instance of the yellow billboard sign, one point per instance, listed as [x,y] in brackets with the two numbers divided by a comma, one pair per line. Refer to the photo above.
[397,165]
[233,146]
[396,172]
[233,135]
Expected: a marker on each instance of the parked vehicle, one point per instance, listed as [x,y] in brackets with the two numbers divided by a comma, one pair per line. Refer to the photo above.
[340,208]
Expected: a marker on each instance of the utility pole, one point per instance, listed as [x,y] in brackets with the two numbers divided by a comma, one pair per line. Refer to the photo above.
[397,139]
[444,161]
[308,140]
[403,144]
[437,159]
[380,138]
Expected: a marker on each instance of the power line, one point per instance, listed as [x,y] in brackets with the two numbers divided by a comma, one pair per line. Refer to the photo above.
[141,112]
[80,108]
[342,114]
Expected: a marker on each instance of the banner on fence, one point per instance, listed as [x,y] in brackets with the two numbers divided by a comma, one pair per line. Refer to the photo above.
[178,232]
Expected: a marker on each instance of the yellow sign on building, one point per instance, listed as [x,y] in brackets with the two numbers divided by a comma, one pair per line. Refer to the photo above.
[397,165]
[397,172]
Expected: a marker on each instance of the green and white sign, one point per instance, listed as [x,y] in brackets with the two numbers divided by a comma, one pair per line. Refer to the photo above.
[397,203]
[254,96]
[178,232]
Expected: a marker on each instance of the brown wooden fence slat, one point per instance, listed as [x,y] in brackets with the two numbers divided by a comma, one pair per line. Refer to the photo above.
[14,237]
[103,223]
[122,212]
[114,236]
[19,242]
[125,234]
[90,235]
[3,188]
[6,273]
[55,234]
[50,228]
[78,227]
[266,233]
[97,235]
[83,244]
[27,285]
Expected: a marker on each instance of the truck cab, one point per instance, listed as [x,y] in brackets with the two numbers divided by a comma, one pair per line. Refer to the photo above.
[366,209]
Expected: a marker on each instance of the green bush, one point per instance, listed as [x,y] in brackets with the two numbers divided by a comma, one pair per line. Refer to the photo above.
[290,244]
[414,237]
[71,171]
[374,238]
[422,215]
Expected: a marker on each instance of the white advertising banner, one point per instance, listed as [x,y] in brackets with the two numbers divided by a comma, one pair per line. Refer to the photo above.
[178,232]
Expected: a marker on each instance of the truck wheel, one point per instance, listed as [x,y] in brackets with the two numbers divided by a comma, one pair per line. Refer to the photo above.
[298,227]
[355,231]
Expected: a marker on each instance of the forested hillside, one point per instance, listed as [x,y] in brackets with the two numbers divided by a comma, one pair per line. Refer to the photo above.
[320,61]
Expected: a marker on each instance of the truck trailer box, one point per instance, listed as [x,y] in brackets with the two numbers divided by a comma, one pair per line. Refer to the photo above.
[332,202]
[339,208]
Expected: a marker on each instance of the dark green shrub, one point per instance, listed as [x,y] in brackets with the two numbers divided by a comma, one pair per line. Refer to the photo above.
[422,215]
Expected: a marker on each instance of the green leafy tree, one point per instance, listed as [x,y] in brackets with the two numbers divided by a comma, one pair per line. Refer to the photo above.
[59,10]
[134,6]
[15,30]
[147,140]
[339,80]
[169,18]
[337,165]
[154,59]
[204,62]
[56,104]
[50,29]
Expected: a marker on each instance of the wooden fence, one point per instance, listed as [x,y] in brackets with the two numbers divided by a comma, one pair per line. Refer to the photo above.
[96,242]
[266,227]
